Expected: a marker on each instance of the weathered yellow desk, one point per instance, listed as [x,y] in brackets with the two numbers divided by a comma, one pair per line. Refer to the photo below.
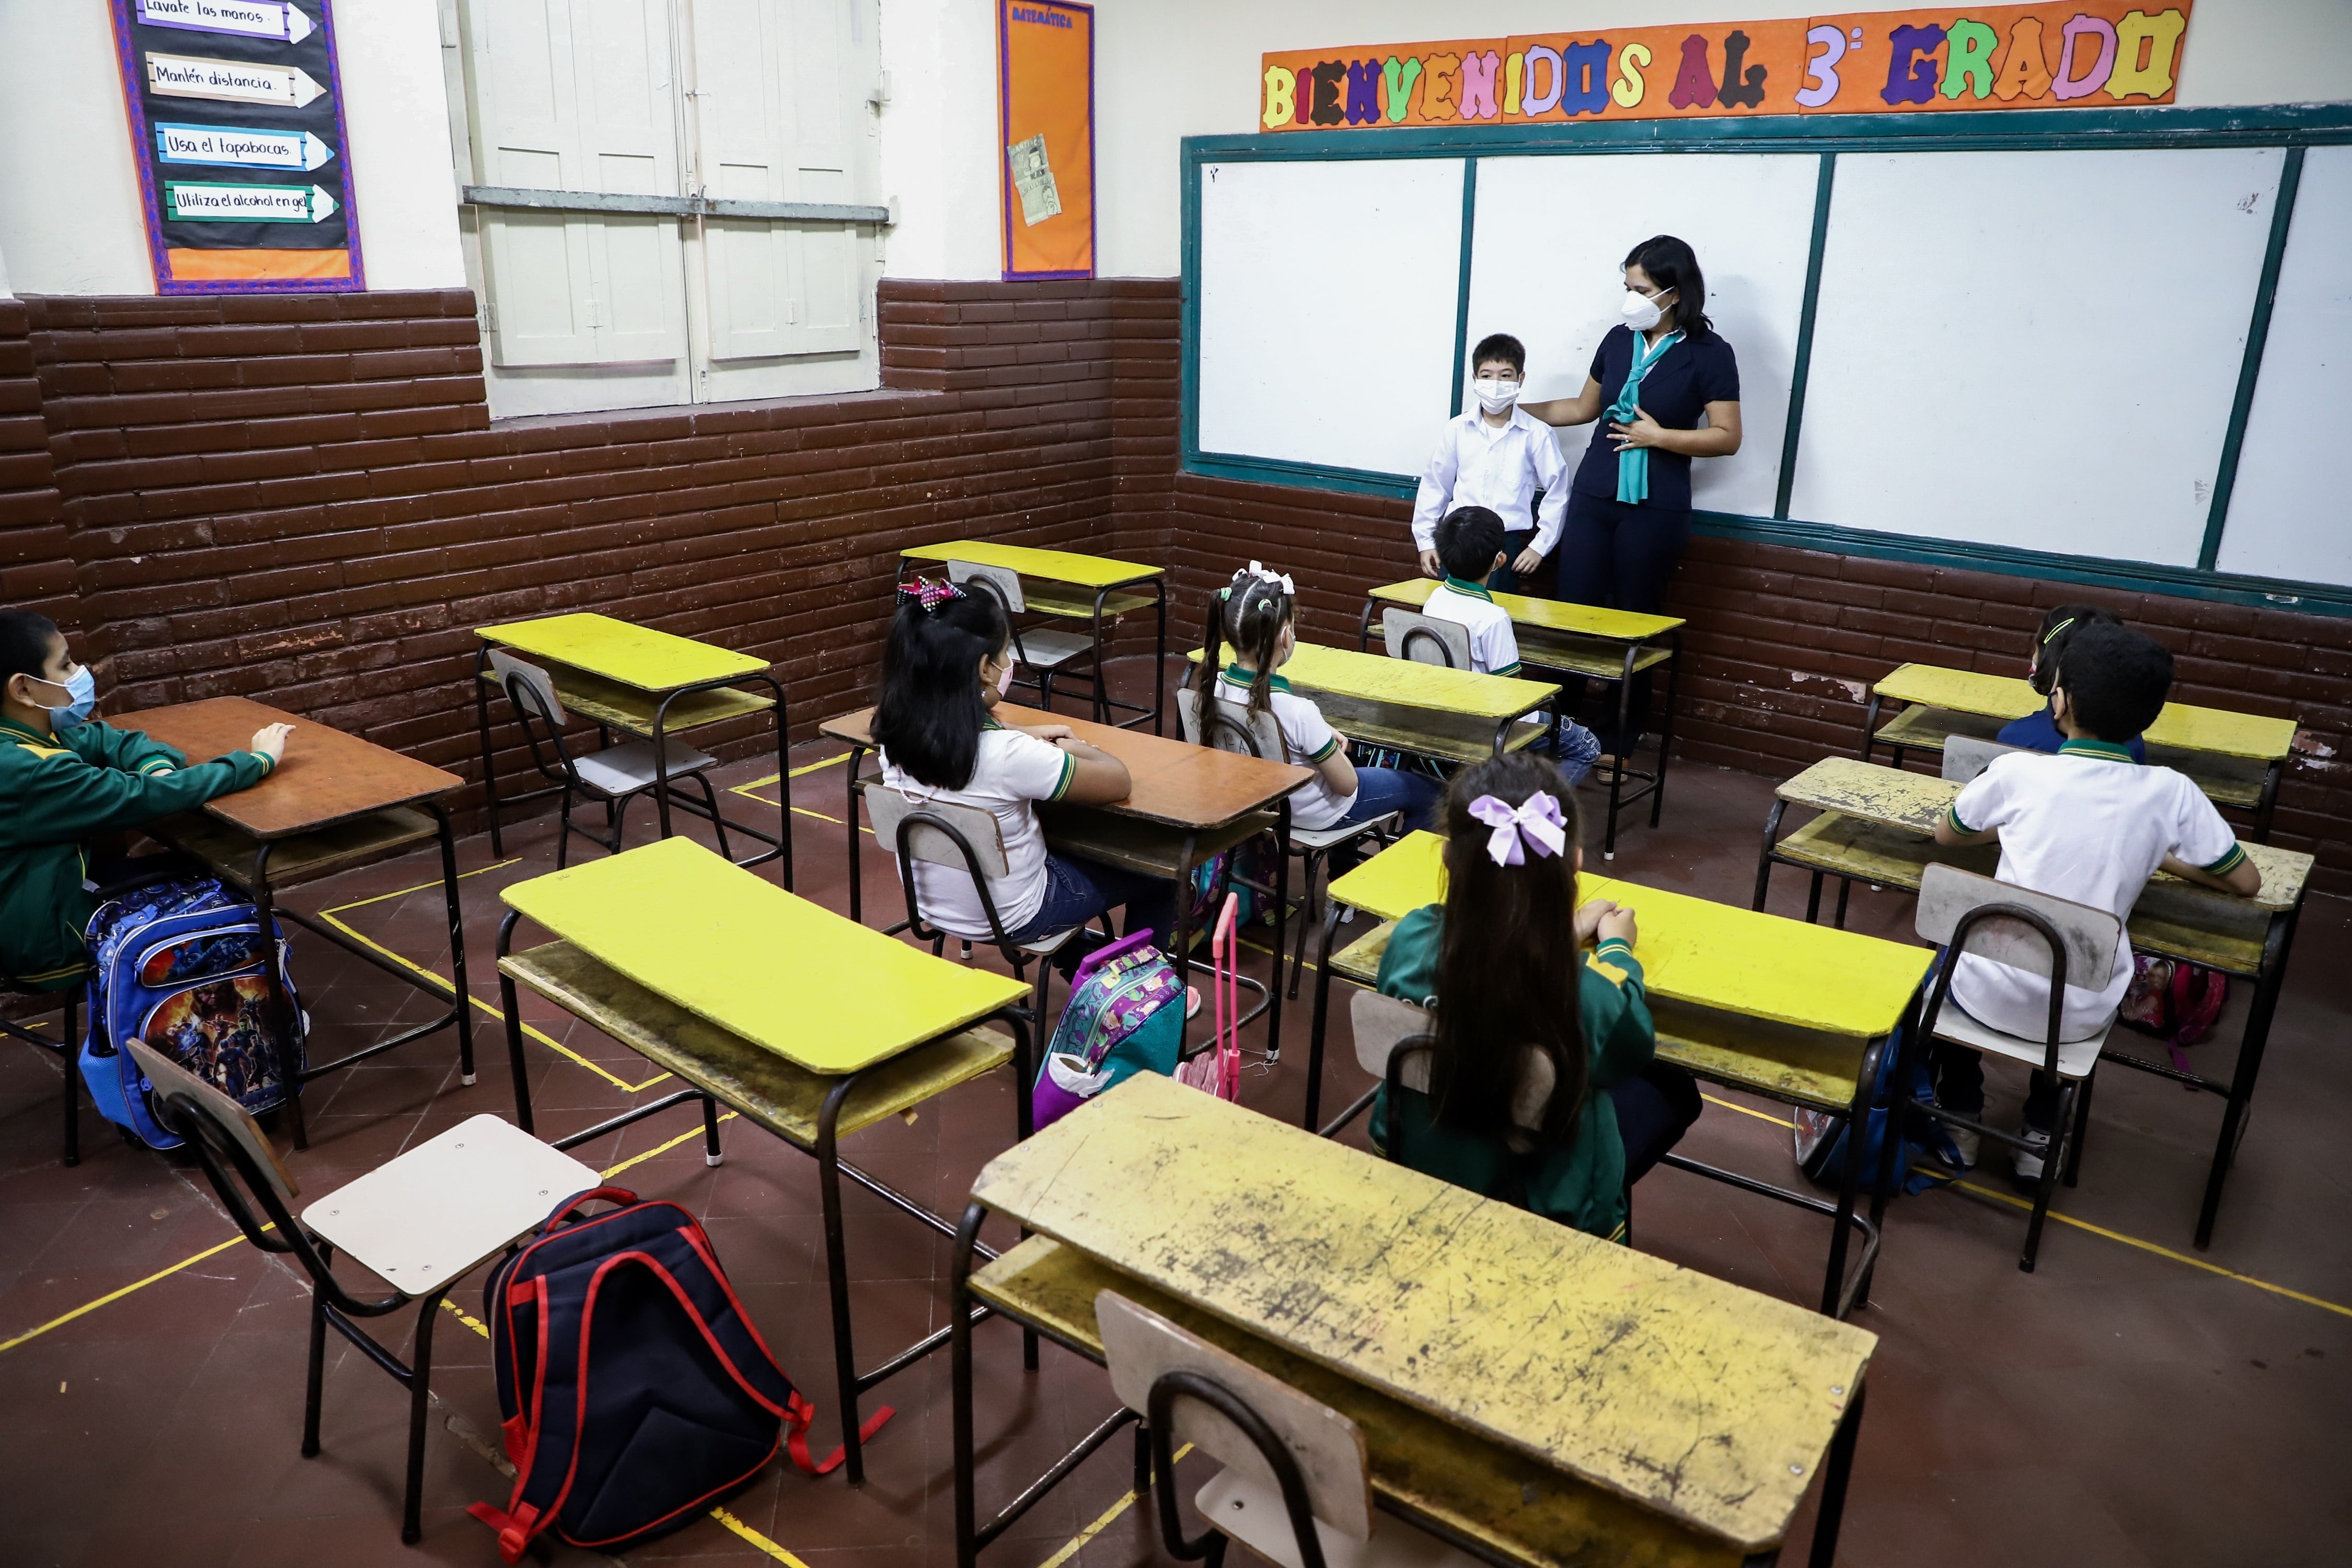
[647,683]
[1648,1412]
[1106,588]
[801,1021]
[2237,759]
[1736,998]
[1587,640]
[1426,709]
[1877,825]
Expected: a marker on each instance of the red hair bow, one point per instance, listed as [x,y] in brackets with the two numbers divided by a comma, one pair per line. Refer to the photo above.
[930,596]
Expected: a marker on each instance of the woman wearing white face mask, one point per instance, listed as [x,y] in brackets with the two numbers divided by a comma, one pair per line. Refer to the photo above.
[1654,377]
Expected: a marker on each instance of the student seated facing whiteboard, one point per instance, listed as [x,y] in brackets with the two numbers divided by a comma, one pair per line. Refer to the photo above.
[1470,547]
[2088,824]
[2039,732]
[1497,457]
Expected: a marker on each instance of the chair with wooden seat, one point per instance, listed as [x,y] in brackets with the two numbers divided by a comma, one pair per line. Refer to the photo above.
[970,839]
[1230,726]
[1962,911]
[1295,1488]
[1042,652]
[611,775]
[420,1223]
[1426,639]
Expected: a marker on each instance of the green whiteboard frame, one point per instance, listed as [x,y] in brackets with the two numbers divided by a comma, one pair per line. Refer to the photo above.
[2294,127]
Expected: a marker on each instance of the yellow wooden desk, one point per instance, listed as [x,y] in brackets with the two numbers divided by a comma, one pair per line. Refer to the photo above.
[1104,589]
[1425,708]
[1586,640]
[1698,1402]
[1736,998]
[804,1023]
[2237,759]
[643,682]
[1877,825]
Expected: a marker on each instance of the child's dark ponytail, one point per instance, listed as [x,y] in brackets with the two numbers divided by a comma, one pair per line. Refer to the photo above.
[1249,613]
[931,712]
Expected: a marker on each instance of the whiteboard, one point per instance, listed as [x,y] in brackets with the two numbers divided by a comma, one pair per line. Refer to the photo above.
[1550,234]
[2287,513]
[1328,300]
[2033,349]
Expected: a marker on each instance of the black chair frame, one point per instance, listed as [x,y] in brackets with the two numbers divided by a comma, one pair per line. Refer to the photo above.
[1159,1428]
[565,774]
[68,1048]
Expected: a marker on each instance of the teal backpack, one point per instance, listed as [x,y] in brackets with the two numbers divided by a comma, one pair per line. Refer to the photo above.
[1125,1016]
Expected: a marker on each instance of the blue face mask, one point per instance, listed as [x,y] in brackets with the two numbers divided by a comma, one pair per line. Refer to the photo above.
[81,686]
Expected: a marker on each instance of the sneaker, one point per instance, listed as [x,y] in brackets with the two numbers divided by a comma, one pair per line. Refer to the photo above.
[1969,1141]
[1191,1003]
[2030,1158]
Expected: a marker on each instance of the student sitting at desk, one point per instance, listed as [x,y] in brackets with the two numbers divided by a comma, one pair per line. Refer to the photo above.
[67,779]
[2088,824]
[947,662]
[1256,614]
[1496,456]
[1470,545]
[1544,1086]
[2039,732]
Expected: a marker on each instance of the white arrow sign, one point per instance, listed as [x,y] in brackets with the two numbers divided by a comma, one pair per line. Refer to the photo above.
[245,19]
[240,145]
[248,204]
[233,81]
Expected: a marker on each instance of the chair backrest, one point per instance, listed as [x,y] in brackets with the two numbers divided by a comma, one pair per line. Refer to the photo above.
[1226,726]
[1004,580]
[1947,895]
[979,826]
[1966,756]
[1382,1024]
[175,1082]
[1426,639]
[533,681]
[1140,1347]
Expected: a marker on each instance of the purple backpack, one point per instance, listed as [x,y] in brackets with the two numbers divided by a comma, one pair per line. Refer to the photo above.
[1125,1016]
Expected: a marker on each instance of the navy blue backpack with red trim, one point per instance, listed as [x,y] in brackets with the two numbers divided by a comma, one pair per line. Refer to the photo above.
[635,1390]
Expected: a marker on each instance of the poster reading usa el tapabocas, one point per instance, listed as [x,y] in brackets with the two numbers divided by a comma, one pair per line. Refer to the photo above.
[236,120]
[2077,53]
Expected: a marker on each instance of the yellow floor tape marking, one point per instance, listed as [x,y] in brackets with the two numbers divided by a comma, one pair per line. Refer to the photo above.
[1071,1547]
[2013,1201]
[663,1148]
[118,1295]
[420,887]
[755,1538]
[746,789]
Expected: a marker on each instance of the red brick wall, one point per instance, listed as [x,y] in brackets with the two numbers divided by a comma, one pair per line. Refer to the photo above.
[35,564]
[1784,643]
[304,501]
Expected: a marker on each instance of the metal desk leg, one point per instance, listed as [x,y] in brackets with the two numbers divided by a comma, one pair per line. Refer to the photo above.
[1898,1109]
[1617,774]
[1364,625]
[836,1269]
[1281,916]
[1666,730]
[661,763]
[2269,801]
[290,1068]
[420,1395]
[490,770]
[1181,937]
[1849,1183]
[1869,729]
[1160,660]
[967,1503]
[849,819]
[1833,1483]
[509,1005]
[2280,938]
[1102,663]
[1764,859]
[1322,1015]
[464,1006]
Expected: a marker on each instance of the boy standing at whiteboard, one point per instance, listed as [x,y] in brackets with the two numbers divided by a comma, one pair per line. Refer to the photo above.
[1496,456]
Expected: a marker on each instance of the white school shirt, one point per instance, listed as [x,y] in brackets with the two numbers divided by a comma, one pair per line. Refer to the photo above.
[1477,464]
[1306,740]
[1494,646]
[1012,772]
[2091,826]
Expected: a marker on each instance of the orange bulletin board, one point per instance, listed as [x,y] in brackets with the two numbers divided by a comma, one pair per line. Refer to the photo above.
[1045,108]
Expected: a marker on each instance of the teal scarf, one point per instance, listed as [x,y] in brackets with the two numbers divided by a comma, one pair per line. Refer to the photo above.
[1633,462]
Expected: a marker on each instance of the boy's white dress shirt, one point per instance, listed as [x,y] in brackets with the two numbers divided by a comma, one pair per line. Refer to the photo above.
[1477,464]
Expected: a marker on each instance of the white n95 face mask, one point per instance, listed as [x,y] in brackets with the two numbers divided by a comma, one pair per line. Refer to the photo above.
[1640,311]
[1494,394]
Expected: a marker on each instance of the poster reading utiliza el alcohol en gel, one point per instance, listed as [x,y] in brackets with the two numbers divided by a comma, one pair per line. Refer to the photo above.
[236,121]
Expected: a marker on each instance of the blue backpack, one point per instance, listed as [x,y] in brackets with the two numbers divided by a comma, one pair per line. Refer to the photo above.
[634,1389]
[179,966]
[1125,1014]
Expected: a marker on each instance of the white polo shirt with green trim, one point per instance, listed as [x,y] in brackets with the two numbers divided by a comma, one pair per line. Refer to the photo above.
[1306,740]
[1494,645]
[1012,771]
[2091,826]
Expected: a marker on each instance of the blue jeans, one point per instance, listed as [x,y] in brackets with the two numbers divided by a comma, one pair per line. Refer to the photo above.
[1380,790]
[1077,890]
[1578,748]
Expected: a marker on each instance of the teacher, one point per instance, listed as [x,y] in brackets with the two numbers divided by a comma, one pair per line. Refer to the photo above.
[1629,506]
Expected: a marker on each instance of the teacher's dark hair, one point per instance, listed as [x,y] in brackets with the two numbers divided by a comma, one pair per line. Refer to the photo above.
[1671,264]
[930,714]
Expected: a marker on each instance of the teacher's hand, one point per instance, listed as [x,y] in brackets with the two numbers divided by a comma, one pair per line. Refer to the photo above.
[1644,431]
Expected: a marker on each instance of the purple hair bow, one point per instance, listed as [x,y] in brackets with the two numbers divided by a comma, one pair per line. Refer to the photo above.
[932,596]
[1536,824]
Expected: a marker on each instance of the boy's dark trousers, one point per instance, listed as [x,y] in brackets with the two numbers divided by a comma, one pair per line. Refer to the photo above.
[1508,579]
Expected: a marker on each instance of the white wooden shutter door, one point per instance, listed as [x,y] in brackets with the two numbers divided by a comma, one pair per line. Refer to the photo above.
[628,137]
[832,60]
[536,264]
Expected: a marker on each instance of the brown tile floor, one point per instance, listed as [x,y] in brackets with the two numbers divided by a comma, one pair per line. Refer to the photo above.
[2130,1403]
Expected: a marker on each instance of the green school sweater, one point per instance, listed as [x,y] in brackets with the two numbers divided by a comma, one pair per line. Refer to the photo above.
[1584,1184]
[67,787]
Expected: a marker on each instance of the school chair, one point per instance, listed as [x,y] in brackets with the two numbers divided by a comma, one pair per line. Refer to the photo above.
[1228,727]
[1966,756]
[1962,911]
[420,1223]
[1426,639]
[1394,1044]
[969,839]
[1295,1488]
[613,776]
[68,1045]
[1042,652]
